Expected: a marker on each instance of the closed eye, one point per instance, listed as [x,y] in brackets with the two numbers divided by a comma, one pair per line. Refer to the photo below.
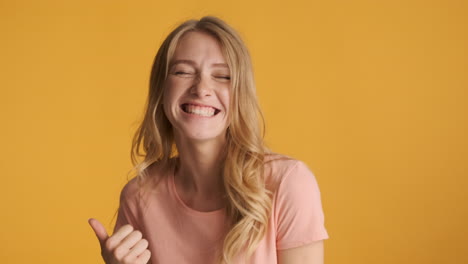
[223,77]
[183,74]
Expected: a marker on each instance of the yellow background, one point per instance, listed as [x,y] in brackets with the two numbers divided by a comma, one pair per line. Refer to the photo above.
[372,95]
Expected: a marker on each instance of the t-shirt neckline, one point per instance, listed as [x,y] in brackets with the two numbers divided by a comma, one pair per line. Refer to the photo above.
[181,203]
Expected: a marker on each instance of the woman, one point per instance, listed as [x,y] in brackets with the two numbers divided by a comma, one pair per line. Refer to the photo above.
[207,189]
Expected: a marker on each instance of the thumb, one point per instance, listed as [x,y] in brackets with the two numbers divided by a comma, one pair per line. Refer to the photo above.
[99,230]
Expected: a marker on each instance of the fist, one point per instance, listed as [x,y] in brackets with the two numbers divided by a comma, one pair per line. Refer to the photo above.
[125,246]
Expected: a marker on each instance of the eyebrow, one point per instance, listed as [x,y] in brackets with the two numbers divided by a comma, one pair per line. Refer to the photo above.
[192,63]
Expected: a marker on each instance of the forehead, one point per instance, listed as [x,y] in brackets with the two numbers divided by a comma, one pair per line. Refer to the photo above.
[199,46]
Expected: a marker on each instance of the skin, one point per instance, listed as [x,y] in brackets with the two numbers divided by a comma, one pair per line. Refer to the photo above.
[125,246]
[198,75]
[311,254]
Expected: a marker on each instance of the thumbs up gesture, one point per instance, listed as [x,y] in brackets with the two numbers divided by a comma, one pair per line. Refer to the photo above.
[126,246]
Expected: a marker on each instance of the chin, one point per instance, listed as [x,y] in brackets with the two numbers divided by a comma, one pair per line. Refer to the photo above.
[203,136]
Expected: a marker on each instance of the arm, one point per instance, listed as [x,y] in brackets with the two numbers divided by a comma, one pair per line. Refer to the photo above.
[307,254]
[299,218]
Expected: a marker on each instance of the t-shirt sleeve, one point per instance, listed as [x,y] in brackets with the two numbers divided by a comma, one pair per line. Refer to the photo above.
[128,210]
[298,209]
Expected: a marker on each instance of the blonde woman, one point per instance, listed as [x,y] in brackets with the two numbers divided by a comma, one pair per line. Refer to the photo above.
[207,189]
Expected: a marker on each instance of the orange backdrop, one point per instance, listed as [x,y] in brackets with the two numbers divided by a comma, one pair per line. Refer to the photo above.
[372,95]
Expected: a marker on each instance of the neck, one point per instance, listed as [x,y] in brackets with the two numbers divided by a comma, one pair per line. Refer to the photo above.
[199,171]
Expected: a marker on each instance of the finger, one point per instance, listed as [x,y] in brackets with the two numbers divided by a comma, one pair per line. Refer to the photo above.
[137,250]
[99,230]
[118,236]
[144,257]
[131,240]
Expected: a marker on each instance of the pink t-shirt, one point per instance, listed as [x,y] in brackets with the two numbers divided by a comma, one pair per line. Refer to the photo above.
[178,234]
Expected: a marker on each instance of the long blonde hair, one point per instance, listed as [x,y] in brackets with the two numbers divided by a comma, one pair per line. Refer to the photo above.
[248,200]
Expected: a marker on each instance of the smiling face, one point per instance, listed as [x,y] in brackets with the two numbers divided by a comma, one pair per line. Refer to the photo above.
[196,97]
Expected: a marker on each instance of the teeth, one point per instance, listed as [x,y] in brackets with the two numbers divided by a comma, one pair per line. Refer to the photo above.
[199,110]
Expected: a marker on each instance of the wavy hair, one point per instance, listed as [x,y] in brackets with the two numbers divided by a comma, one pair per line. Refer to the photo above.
[248,200]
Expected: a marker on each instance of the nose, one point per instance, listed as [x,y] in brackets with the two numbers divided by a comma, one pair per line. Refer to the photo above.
[202,86]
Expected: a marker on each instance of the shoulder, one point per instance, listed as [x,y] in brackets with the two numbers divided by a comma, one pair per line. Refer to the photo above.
[297,207]
[142,184]
[130,190]
[278,168]
[278,163]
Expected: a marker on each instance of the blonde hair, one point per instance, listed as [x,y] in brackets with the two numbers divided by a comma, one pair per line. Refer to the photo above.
[248,201]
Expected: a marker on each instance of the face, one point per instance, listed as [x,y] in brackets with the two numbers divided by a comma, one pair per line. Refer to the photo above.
[196,97]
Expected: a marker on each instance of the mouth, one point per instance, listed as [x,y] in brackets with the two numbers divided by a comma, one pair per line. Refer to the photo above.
[205,111]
